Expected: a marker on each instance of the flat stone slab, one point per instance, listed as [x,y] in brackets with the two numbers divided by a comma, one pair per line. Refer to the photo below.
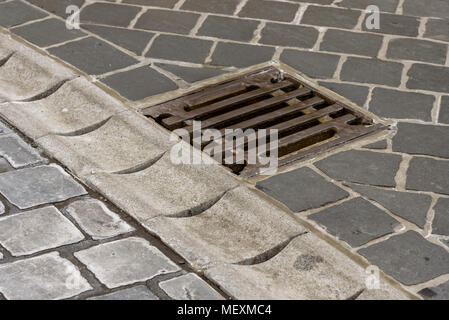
[307,269]
[63,112]
[361,166]
[419,259]
[126,261]
[189,287]
[165,188]
[30,187]
[410,206]
[440,224]
[297,189]
[440,292]
[125,142]
[242,227]
[190,74]
[17,12]
[45,277]
[37,230]
[134,293]
[97,220]
[355,221]
[426,174]
[28,73]
[17,152]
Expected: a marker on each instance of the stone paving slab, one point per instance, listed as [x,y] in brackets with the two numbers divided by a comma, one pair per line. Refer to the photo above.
[41,278]
[189,287]
[125,262]
[17,152]
[241,227]
[134,293]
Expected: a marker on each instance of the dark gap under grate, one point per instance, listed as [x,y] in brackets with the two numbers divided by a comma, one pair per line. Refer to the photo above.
[308,122]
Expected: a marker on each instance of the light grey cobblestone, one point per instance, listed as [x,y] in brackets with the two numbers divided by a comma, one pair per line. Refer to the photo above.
[40,278]
[134,293]
[17,152]
[189,287]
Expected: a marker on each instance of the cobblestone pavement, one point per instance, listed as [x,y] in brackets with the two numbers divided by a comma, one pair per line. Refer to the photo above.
[387,201]
[60,240]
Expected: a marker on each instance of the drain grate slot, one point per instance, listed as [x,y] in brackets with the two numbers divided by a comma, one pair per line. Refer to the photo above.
[307,121]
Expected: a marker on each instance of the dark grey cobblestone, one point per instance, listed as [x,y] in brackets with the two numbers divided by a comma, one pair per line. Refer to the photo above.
[56,7]
[437,29]
[356,94]
[418,50]
[109,13]
[331,17]
[384,5]
[422,139]
[167,21]
[440,224]
[155,3]
[17,12]
[288,35]
[313,64]
[444,110]
[47,32]
[355,221]
[426,174]
[293,189]
[401,105]
[240,55]
[270,10]
[351,42]
[428,8]
[379,145]
[419,259]
[372,71]
[228,28]
[362,166]
[214,6]
[191,74]
[440,292]
[396,24]
[409,206]
[428,77]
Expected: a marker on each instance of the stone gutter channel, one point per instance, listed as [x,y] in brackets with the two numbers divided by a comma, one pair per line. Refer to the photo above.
[247,245]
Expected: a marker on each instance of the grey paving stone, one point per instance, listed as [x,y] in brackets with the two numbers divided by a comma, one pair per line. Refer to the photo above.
[109,14]
[47,32]
[313,64]
[133,40]
[355,221]
[167,21]
[437,29]
[429,8]
[418,50]
[156,3]
[240,55]
[269,10]
[401,105]
[214,6]
[372,71]
[30,187]
[93,56]
[125,261]
[228,28]
[293,189]
[395,24]
[17,152]
[440,224]
[17,12]
[440,292]
[331,17]
[351,42]
[384,5]
[97,220]
[428,77]
[137,84]
[5,166]
[288,35]
[189,287]
[316,1]
[37,230]
[179,48]
[419,259]
[135,293]
[43,277]
[444,110]
[362,166]
[426,174]
[191,74]
[356,94]
[379,145]
[410,206]
[57,7]
[416,138]
[4,129]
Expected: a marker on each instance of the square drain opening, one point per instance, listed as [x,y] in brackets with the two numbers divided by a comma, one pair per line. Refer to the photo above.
[308,122]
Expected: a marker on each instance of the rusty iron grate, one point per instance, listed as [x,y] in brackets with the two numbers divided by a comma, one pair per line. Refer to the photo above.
[308,121]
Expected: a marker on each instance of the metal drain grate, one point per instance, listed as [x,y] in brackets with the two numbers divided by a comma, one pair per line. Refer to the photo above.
[308,122]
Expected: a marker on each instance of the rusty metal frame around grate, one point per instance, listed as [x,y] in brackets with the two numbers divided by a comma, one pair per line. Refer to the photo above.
[309,122]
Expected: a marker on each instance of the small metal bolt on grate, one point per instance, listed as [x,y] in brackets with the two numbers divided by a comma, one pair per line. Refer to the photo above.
[308,121]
